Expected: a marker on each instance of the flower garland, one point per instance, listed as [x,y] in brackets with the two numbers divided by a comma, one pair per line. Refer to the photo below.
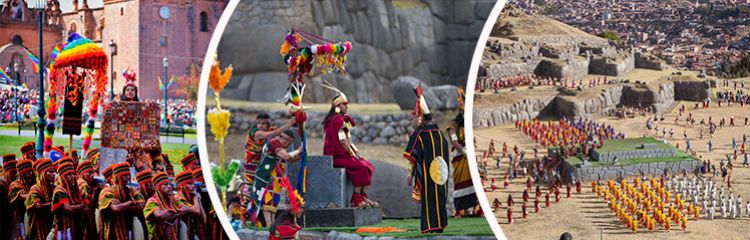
[83,53]
[327,56]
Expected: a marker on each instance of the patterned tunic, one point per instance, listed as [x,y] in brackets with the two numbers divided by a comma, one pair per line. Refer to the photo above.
[271,178]
[5,210]
[67,225]
[116,226]
[463,195]
[161,229]
[91,195]
[40,223]
[194,226]
[425,145]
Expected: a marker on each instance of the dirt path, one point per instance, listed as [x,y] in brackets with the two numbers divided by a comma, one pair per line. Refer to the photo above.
[586,217]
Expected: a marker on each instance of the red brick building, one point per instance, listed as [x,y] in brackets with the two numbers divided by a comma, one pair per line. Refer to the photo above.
[144,32]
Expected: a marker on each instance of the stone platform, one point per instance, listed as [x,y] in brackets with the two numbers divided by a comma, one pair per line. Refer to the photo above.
[327,187]
[591,173]
[328,194]
[341,217]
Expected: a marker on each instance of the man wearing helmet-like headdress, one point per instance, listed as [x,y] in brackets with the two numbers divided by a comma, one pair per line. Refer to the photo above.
[427,151]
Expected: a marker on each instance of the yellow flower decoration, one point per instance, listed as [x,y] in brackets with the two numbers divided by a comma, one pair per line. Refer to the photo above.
[219,121]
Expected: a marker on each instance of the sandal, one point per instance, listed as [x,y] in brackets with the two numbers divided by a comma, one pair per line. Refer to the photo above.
[358,201]
[370,202]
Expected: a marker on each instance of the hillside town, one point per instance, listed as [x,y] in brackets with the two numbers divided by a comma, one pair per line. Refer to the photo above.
[690,35]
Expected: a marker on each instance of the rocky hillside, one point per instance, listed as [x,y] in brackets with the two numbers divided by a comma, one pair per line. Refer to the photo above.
[430,40]
[522,44]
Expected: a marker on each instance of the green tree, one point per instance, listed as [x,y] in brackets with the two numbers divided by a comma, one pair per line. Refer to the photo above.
[610,35]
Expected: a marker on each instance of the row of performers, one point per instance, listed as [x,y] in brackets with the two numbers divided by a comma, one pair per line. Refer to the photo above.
[266,194]
[68,199]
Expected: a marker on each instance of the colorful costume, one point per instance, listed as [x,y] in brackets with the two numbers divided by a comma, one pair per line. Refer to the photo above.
[161,229]
[252,154]
[89,192]
[17,190]
[213,226]
[40,223]
[270,182]
[193,222]
[67,225]
[463,195]
[116,225]
[8,176]
[426,152]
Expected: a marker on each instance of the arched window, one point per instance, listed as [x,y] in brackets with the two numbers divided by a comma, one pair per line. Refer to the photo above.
[204,21]
[16,40]
[122,11]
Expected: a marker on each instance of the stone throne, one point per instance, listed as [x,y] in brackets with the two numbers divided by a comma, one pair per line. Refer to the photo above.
[328,194]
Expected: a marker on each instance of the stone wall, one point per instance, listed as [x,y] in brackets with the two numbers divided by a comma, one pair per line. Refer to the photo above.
[691,90]
[574,108]
[632,154]
[559,51]
[571,68]
[661,96]
[590,173]
[509,69]
[390,129]
[506,49]
[524,109]
[611,67]
[647,61]
[431,40]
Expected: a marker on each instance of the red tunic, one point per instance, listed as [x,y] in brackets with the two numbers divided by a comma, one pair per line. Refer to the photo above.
[359,171]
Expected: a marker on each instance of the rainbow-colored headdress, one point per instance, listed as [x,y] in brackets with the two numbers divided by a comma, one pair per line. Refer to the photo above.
[79,52]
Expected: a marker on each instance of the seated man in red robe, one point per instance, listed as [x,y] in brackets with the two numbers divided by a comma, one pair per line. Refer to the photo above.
[338,144]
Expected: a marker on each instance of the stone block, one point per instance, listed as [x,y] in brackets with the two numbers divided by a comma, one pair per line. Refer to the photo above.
[341,217]
[326,186]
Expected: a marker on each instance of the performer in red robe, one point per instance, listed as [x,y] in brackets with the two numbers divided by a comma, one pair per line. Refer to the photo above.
[338,143]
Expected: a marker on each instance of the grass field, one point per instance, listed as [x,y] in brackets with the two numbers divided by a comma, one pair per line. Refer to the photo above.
[476,226]
[12,144]
[631,144]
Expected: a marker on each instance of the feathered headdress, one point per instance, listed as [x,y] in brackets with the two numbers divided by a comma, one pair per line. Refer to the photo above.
[420,108]
[340,98]
[130,77]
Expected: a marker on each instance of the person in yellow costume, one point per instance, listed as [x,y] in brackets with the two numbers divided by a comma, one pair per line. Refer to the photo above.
[697,212]
[684,223]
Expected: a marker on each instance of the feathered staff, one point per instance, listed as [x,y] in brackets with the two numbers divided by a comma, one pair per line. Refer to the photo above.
[218,118]
[327,56]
